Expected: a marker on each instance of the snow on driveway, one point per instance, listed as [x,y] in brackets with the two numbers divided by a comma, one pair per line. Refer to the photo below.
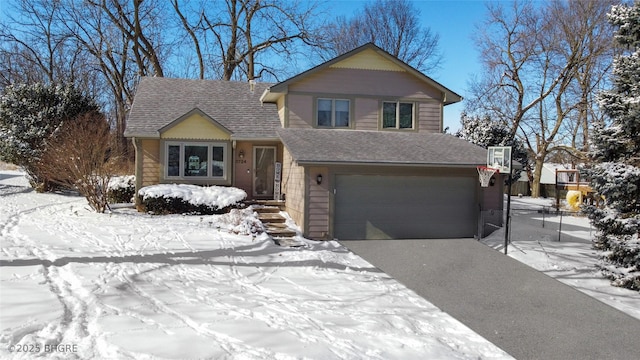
[125,285]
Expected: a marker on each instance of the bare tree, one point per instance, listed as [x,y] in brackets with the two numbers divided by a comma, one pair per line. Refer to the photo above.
[36,48]
[110,48]
[191,31]
[131,18]
[124,40]
[81,157]
[393,25]
[244,31]
[534,56]
[591,77]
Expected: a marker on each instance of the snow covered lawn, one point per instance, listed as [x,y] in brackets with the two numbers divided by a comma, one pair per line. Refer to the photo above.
[76,284]
[570,260]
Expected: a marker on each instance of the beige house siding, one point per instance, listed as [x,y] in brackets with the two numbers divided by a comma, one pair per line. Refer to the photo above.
[430,117]
[318,203]
[492,206]
[492,198]
[366,89]
[300,111]
[392,84]
[293,186]
[366,114]
[282,110]
[150,162]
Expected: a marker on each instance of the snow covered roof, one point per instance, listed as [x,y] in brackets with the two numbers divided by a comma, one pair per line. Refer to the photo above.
[331,146]
[160,101]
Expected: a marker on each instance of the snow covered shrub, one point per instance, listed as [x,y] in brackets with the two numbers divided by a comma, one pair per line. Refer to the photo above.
[121,189]
[615,173]
[190,199]
[30,115]
[243,222]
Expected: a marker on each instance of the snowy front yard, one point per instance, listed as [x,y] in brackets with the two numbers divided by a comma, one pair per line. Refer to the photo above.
[76,284]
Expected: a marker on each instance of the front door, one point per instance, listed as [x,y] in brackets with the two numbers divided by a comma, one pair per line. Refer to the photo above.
[264,161]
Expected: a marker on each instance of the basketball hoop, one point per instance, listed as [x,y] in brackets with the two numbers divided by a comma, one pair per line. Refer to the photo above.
[485,173]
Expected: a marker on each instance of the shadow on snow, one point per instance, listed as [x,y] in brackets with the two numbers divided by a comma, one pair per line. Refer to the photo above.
[204,257]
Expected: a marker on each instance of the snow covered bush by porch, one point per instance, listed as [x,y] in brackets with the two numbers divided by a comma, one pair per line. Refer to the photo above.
[191,199]
[122,189]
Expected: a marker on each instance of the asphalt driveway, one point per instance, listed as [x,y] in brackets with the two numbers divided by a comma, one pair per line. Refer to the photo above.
[526,313]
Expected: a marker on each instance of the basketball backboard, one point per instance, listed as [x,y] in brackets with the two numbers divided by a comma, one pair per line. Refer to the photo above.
[499,157]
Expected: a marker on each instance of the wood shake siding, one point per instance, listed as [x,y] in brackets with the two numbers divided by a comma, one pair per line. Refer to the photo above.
[150,162]
[293,186]
[318,211]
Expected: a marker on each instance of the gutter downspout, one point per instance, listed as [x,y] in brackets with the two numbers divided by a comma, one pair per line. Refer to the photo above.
[138,170]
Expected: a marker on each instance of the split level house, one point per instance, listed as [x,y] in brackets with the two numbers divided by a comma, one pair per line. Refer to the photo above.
[354,146]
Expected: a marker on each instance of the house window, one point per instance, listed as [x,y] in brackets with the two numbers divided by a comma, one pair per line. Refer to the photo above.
[195,160]
[333,113]
[397,115]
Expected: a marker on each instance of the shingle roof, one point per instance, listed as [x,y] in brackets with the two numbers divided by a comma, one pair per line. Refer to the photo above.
[327,146]
[160,101]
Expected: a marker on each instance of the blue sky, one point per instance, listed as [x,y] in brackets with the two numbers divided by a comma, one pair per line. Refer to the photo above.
[455,22]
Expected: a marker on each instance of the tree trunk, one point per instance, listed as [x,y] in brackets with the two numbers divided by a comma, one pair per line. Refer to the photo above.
[537,173]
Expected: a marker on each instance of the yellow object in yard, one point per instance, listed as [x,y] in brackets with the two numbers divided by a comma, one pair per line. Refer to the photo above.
[574,199]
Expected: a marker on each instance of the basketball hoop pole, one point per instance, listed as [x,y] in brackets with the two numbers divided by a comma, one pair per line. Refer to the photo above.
[506,228]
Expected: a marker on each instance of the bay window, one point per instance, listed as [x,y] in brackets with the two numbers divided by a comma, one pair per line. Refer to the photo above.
[197,160]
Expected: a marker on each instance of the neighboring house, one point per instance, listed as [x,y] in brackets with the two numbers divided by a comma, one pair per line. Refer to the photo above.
[359,139]
[547,180]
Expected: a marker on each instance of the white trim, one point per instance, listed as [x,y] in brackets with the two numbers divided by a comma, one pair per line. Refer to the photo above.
[499,157]
[226,168]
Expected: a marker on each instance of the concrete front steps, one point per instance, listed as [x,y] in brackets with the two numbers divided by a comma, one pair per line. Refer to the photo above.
[274,223]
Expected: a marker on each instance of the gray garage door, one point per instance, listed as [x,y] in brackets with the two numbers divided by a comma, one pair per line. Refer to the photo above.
[404,207]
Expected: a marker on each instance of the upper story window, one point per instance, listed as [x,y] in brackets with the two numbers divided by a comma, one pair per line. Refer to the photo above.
[333,113]
[397,115]
[195,160]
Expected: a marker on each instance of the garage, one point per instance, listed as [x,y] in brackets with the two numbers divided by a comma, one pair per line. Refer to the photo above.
[404,207]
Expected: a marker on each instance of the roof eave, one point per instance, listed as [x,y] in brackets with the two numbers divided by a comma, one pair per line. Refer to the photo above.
[254,138]
[142,135]
[270,95]
[383,163]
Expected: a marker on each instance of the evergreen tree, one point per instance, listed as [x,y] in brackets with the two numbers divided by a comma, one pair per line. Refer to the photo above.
[30,115]
[616,153]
